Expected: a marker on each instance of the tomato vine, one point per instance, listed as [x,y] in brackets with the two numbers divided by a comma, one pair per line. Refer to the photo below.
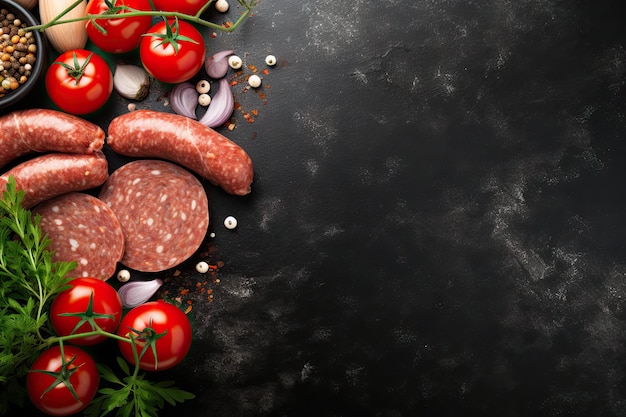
[248,5]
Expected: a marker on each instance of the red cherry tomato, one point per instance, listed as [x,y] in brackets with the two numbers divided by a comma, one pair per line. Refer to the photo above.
[79,81]
[183,6]
[87,303]
[166,325]
[172,55]
[75,368]
[121,35]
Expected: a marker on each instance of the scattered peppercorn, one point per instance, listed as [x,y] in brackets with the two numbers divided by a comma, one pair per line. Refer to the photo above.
[18,52]
[270,60]
[230,222]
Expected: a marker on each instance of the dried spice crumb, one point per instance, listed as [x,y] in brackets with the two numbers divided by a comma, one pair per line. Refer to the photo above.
[186,288]
[243,76]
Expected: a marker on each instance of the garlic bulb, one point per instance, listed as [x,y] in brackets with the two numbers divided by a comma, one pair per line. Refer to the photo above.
[28,4]
[66,36]
[131,81]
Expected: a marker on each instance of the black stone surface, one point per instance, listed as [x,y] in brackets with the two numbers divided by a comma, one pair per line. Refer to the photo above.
[436,223]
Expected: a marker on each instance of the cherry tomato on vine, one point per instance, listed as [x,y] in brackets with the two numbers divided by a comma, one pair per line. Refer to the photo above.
[172,51]
[158,327]
[183,6]
[79,81]
[53,376]
[117,35]
[89,302]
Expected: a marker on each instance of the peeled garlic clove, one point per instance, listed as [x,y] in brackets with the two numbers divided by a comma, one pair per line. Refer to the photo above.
[138,292]
[131,81]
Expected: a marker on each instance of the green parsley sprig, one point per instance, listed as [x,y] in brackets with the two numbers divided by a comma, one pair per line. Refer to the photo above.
[133,394]
[29,280]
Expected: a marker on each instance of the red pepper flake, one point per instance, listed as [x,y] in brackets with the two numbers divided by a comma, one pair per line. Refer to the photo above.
[213,35]
[266,71]
[248,118]
[255,112]
[227,24]
[184,292]
[252,68]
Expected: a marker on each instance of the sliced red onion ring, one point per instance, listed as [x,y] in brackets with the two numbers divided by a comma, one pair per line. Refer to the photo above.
[221,107]
[184,99]
[216,65]
[138,292]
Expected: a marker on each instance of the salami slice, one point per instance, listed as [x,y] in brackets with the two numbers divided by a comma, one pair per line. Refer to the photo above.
[84,230]
[163,210]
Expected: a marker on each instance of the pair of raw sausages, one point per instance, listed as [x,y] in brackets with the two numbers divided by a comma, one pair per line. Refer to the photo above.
[155,201]
[76,162]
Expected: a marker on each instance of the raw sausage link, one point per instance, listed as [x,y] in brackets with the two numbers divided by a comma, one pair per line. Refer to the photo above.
[42,130]
[147,133]
[163,210]
[82,229]
[51,175]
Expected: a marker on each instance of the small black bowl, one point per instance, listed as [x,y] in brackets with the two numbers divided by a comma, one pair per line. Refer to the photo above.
[13,97]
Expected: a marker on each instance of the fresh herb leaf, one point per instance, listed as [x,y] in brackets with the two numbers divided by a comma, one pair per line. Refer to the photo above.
[28,281]
[136,397]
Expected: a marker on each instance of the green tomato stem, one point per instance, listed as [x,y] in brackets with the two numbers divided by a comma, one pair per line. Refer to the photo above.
[97,332]
[133,13]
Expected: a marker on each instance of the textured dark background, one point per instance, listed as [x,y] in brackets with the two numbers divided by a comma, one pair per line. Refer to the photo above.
[436,223]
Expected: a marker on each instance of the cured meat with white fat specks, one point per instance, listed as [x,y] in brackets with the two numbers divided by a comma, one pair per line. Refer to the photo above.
[84,230]
[163,210]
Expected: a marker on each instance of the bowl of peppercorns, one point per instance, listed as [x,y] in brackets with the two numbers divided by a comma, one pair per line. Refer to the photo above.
[22,54]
